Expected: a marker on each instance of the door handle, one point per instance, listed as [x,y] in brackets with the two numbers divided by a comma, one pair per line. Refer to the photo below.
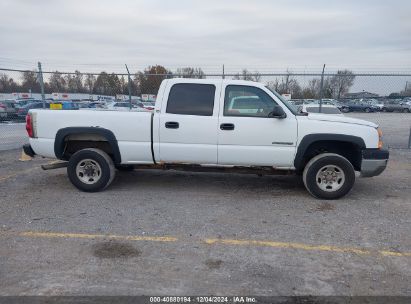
[172,125]
[227,126]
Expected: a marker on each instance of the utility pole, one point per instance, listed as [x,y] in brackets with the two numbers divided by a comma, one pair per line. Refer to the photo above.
[223,72]
[129,87]
[321,90]
[40,77]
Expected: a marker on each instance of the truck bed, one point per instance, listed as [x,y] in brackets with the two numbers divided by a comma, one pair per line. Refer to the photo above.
[131,128]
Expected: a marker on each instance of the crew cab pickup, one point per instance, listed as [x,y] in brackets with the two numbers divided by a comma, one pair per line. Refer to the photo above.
[211,125]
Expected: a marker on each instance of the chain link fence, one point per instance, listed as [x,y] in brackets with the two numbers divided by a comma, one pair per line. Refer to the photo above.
[388,95]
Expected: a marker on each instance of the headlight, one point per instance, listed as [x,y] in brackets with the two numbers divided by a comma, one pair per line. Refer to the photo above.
[380,143]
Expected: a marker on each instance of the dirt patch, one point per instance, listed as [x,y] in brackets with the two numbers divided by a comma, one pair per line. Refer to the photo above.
[213,264]
[113,250]
[325,207]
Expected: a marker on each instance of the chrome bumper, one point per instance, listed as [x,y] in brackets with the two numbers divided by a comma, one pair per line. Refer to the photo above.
[373,162]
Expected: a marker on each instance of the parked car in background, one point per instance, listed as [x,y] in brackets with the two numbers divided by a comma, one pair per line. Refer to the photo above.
[397,105]
[124,106]
[10,109]
[325,109]
[118,106]
[374,102]
[96,105]
[22,111]
[3,113]
[26,101]
[359,106]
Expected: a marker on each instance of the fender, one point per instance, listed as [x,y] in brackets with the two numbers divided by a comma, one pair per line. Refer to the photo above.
[312,138]
[107,134]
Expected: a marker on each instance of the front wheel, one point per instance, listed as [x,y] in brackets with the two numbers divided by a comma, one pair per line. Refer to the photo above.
[90,170]
[328,176]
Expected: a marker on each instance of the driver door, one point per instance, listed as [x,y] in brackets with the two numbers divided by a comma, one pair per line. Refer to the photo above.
[247,136]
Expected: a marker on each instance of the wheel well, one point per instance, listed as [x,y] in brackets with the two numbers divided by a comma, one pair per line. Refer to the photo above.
[72,139]
[349,150]
[76,142]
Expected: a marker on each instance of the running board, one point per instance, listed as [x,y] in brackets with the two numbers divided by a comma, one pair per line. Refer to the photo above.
[54,165]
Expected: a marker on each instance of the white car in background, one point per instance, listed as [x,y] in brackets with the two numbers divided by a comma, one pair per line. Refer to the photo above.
[325,109]
[124,106]
[374,102]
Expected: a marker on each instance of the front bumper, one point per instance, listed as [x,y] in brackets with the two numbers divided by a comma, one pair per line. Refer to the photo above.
[374,162]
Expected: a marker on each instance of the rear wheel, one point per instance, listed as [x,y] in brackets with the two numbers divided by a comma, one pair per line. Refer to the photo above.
[406,110]
[384,109]
[91,170]
[367,110]
[328,176]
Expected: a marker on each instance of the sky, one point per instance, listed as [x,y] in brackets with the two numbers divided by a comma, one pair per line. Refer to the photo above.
[265,36]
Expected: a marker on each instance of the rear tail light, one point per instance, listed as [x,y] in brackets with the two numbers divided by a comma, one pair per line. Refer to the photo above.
[2,106]
[29,125]
[380,143]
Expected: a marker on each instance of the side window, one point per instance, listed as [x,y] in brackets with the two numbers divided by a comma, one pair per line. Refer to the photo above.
[191,99]
[247,101]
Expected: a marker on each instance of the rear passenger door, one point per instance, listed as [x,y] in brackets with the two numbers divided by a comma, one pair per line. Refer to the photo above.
[188,122]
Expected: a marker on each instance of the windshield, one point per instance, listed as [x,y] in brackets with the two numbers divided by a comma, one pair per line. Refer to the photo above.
[285,102]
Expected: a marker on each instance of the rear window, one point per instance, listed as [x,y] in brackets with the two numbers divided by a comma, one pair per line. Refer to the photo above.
[191,99]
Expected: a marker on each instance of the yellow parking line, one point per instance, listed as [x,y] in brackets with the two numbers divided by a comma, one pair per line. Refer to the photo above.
[210,241]
[94,236]
[306,247]
[393,253]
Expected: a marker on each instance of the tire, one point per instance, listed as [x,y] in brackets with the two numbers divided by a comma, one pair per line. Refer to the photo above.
[367,110]
[406,110]
[384,109]
[335,163]
[345,109]
[99,165]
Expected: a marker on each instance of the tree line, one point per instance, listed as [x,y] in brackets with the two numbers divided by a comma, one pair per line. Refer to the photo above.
[149,80]
[335,86]
[146,82]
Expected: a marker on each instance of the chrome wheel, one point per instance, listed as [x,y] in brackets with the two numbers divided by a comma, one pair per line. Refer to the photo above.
[330,178]
[88,171]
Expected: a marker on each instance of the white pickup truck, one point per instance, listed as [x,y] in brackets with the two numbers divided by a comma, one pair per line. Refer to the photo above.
[210,125]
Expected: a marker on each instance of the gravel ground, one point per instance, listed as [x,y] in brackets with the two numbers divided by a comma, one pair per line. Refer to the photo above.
[396,127]
[175,233]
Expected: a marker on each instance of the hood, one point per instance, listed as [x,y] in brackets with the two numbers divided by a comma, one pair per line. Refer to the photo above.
[342,119]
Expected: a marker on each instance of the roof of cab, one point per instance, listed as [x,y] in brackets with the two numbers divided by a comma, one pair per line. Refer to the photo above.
[215,81]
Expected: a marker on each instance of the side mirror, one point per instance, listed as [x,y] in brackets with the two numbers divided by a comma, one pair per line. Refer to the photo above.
[277,112]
